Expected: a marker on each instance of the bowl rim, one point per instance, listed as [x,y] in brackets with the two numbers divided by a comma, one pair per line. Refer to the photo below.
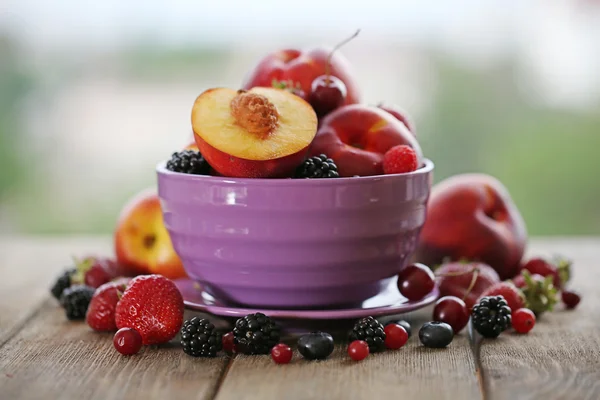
[161,169]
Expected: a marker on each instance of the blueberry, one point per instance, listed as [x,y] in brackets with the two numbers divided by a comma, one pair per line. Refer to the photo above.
[315,345]
[436,334]
[406,326]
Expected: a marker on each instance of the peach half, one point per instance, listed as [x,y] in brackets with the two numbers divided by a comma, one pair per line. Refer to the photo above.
[259,133]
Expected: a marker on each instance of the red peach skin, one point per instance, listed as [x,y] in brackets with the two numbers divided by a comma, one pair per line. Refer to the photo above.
[472,216]
[302,67]
[357,136]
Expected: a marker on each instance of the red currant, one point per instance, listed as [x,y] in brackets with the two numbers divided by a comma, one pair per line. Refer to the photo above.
[127,341]
[326,94]
[228,343]
[523,320]
[281,353]
[358,350]
[570,298]
[395,336]
[415,281]
[453,311]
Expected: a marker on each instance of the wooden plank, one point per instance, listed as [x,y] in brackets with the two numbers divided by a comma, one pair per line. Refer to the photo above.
[560,357]
[51,358]
[413,372]
[28,267]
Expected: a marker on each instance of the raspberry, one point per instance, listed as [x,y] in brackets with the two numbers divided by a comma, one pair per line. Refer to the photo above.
[400,159]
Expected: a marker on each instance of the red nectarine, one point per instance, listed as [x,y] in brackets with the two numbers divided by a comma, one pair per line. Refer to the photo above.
[472,216]
[357,136]
[260,133]
[142,243]
[302,67]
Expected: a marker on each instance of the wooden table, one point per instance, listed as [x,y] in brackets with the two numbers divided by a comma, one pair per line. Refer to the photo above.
[42,356]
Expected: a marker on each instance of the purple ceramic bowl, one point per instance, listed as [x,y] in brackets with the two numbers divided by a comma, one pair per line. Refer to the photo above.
[289,243]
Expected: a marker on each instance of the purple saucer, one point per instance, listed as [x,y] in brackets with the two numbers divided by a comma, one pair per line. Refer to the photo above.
[388,302]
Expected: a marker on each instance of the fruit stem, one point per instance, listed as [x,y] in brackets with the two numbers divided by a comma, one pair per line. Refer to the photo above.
[337,46]
[472,284]
[473,269]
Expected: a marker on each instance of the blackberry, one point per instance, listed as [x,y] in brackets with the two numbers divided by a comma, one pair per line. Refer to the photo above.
[199,338]
[76,300]
[371,331]
[188,162]
[256,334]
[491,316]
[62,282]
[317,167]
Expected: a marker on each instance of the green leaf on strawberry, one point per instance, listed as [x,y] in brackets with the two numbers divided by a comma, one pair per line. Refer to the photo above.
[540,293]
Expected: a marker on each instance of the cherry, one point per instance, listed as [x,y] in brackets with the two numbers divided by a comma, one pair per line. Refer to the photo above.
[228,342]
[281,353]
[328,92]
[395,336]
[127,341]
[453,311]
[358,350]
[523,320]
[415,281]
[570,298]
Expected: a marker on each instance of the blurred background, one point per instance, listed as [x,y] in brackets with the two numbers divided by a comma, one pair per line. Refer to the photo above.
[94,94]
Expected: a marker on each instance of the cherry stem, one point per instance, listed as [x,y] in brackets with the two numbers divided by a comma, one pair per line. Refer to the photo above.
[473,269]
[337,46]
[472,284]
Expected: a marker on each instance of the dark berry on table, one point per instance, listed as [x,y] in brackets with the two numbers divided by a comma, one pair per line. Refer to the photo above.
[358,350]
[453,311]
[319,166]
[327,93]
[523,320]
[416,281]
[436,334]
[491,316]
[228,343]
[281,353]
[127,341]
[256,334]
[199,338]
[75,300]
[371,331]
[62,282]
[395,336]
[316,345]
[570,299]
[188,162]
[406,327]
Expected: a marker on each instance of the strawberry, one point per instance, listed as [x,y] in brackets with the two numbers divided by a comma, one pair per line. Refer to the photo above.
[95,271]
[100,314]
[519,281]
[513,295]
[153,306]
[560,269]
[456,278]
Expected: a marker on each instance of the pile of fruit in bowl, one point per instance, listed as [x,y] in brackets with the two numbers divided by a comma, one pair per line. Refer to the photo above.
[294,194]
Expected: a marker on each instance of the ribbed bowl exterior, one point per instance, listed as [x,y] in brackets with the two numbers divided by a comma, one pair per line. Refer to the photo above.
[293,243]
